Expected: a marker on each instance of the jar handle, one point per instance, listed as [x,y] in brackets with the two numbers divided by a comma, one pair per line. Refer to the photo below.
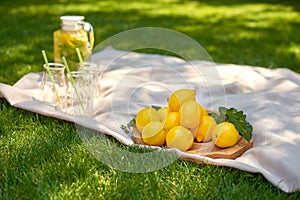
[90,34]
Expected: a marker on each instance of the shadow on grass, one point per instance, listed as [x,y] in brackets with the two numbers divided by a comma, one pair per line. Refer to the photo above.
[241,32]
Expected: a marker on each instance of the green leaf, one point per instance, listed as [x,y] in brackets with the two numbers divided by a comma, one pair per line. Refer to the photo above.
[238,118]
[222,110]
[130,124]
[156,107]
[124,128]
[248,134]
[214,115]
[221,117]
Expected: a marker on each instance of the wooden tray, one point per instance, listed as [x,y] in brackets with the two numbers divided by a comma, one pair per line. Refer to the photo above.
[209,149]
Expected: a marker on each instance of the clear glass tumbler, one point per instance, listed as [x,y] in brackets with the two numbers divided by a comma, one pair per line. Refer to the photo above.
[92,74]
[77,94]
[53,86]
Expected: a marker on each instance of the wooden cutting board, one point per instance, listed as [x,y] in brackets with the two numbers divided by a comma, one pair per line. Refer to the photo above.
[209,149]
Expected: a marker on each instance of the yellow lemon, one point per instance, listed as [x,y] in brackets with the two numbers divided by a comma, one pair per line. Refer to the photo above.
[180,138]
[154,134]
[178,97]
[171,119]
[145,116]
[204,111]
[204,131]
[163,113]
[225,135]
[190,114]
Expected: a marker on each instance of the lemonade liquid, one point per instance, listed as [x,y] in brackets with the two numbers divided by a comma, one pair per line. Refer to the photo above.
[74,33]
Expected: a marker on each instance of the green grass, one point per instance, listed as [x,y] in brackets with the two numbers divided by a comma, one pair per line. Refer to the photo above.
[43,157]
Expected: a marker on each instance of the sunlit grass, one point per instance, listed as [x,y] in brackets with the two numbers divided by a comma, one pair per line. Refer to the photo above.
[45,158]
[238,32]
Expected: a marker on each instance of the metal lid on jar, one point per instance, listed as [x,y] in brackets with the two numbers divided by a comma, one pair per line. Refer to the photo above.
[71,22]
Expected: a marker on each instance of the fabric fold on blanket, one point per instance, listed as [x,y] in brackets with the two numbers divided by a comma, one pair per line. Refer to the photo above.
[131,81]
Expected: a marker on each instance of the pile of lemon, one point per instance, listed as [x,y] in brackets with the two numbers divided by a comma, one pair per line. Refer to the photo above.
[182,122]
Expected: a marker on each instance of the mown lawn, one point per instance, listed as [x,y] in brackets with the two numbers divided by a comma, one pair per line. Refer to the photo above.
[42,157]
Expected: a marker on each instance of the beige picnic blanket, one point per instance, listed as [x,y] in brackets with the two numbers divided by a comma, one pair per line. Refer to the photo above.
[269,97]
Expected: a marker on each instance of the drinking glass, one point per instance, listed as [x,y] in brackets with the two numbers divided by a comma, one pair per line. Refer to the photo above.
[53,85]
[77,103]
[92,73]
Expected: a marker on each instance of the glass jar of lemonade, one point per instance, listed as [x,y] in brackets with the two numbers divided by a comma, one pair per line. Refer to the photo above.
[74,33]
